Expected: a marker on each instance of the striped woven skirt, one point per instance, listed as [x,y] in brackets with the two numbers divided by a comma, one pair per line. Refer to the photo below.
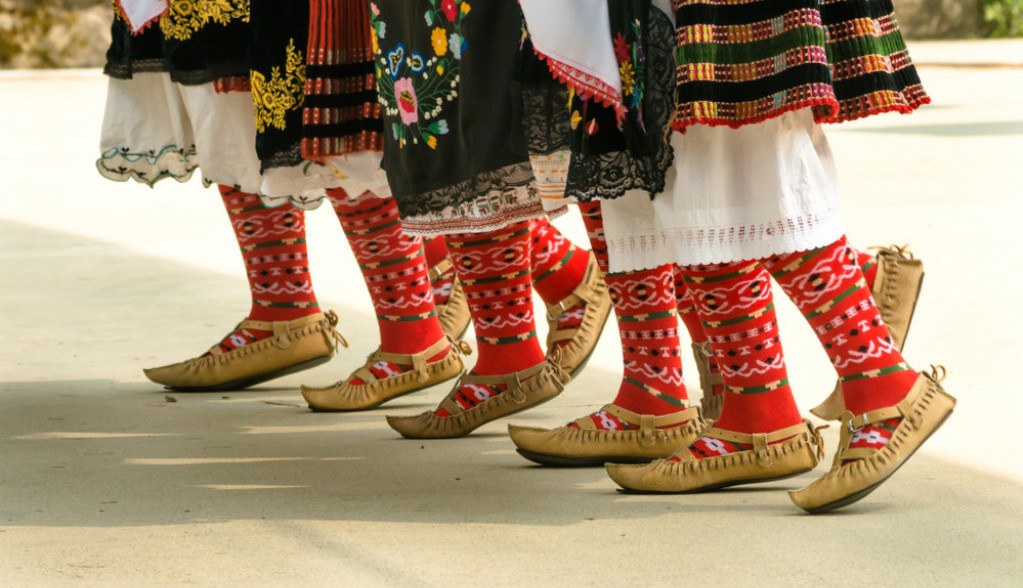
[741,62]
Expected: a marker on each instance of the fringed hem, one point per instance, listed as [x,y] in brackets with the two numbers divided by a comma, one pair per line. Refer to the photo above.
[148,168]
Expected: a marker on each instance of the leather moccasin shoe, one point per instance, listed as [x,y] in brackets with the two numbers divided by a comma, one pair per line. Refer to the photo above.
[454,314]
[586,445]
[294,346]
[896,291]
[775,456]
[857,472]
[524,389]
[346,395]
[581,341]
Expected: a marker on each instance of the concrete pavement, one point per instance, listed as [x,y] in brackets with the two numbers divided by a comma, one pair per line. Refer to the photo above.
[107,480]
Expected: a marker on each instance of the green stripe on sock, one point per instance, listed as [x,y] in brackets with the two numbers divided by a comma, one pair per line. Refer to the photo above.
[834,301]
[269,304]
[507,340]
[636,318]
[739,319]
[656,393]
[899,367]
[277,243]
[488,240]
[562,263]
[495,279]
[799,262]
[746,270]
[758,389]
[373,229]
[409,318]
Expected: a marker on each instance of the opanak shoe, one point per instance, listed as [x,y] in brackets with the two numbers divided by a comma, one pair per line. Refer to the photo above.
[454,314]
[526,388]
[710,403]
[896,291]
[592,292]
[857,472]
[294,346]
[587,445]
[770,459]
[346,395]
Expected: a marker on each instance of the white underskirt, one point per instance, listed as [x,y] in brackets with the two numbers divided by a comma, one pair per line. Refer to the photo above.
[154,128]
[732,195]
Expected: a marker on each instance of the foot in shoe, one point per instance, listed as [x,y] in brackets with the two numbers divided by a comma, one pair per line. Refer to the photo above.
[471,395]
[386,369]
[239,338]
[570,320]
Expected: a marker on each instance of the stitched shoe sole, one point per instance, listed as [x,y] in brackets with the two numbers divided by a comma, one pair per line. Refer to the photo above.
[855,497]
[580,462]
[247,381]
[320,408]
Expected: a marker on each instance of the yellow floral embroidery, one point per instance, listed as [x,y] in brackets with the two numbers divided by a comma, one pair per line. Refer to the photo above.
[184,18]
[274,98]
[439,38]
[628,77]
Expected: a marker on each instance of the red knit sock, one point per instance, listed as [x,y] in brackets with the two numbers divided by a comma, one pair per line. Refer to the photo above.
[558,266]
[735,302]
[494,269]
[868,265]
[827,286]
[272,243]
[394,268]
[644,304]
[436,252]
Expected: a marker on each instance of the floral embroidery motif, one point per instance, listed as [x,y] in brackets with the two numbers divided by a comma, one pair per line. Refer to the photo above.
[415,86]
[186,17]
[274,98]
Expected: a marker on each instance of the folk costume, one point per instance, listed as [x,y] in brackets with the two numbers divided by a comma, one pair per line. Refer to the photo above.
[182,92]
[457,161]
[752,194]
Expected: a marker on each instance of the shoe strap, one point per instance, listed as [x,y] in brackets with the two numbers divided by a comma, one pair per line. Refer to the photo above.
[512,382]
[761,441]
[586,292]
[852,423]
[418,361]
[440,269]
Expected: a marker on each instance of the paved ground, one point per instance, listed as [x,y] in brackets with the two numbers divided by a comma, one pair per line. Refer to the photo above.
[105,479]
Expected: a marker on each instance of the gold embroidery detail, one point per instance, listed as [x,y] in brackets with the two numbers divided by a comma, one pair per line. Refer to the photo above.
[275,98]
[184,18]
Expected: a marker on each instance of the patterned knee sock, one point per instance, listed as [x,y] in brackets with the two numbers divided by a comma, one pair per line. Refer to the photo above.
[691,319]
[394,268]
[827,286]
[644,304]
[436,252]
[735,302]
[272,243]
[494,269]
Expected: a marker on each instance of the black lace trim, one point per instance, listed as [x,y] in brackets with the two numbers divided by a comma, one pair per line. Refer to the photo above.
[289,157]
[463,194]
[124,71]
[546,117]
[610,175]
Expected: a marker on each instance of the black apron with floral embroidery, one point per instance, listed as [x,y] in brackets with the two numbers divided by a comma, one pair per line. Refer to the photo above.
[444,75]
